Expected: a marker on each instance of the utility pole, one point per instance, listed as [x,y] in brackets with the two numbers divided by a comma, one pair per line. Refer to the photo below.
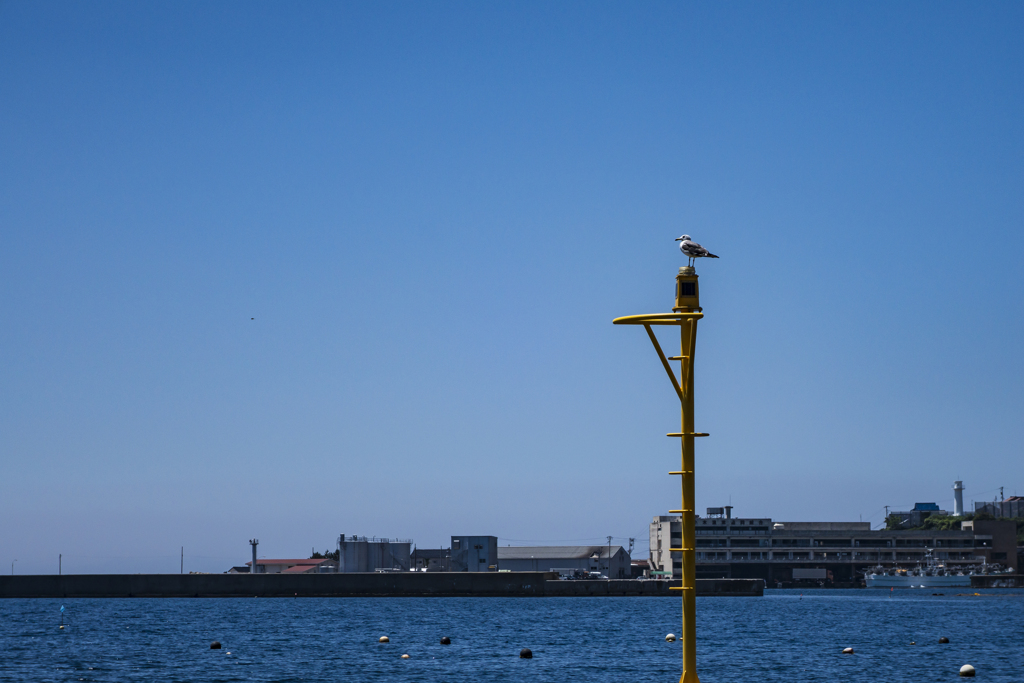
[609,563]
[60,562]
[182,570]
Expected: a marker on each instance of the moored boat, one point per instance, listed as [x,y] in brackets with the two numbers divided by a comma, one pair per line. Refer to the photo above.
[934,574]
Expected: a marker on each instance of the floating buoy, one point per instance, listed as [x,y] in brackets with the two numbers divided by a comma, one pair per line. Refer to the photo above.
[215,645]
[62,627]
[384,639]
[847,650]
[967,671]
[446,640]
[670,638]
[943,639]
[526,653]
[913,642]
[405,656]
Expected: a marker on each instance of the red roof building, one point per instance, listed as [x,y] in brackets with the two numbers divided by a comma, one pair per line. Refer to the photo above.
[270,566]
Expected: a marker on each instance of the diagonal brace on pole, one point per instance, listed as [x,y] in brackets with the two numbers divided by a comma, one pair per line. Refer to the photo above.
[664,362]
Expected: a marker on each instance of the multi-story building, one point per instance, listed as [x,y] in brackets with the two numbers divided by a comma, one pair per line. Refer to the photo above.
[728,547]
[474,554]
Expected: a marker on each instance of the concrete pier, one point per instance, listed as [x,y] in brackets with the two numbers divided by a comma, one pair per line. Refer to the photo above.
[399,584]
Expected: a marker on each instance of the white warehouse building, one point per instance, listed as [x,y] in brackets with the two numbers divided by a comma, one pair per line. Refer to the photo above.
[545,558]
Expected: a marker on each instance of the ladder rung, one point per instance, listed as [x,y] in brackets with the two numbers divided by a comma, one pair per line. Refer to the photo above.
[678,357]
[679,550]
[676,511]
[688,434]
[680,473]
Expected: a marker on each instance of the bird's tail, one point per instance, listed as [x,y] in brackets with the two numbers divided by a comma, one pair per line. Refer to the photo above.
[710,255]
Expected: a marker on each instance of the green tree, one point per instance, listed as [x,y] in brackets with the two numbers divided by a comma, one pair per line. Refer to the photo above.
[893,522]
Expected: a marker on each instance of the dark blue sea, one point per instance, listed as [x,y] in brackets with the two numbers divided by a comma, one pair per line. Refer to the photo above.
[784,636]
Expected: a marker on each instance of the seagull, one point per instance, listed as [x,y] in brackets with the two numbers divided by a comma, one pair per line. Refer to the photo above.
[692,249]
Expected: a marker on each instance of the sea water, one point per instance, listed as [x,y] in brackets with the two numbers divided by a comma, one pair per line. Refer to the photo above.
[784,636]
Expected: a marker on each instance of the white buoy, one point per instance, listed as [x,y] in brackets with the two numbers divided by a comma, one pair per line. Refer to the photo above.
[967,671]
[847,650]
[670,638]
[384,639]
[405,656]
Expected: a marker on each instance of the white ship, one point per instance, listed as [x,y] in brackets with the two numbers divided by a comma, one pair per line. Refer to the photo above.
[933,574]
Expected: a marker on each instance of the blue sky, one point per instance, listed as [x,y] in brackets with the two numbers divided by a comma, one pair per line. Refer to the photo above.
[289,271]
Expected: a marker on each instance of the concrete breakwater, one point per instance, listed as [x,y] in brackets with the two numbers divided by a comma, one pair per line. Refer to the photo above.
[404,584]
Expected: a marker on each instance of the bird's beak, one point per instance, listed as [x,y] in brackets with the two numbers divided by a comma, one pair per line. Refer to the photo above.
[677,239]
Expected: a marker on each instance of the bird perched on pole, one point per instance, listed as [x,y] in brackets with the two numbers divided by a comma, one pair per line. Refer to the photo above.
[692,249]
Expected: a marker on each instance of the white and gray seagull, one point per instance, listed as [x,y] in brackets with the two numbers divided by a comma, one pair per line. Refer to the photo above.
[692,249]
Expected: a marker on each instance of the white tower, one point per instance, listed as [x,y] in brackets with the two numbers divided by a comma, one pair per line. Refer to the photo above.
[958,499]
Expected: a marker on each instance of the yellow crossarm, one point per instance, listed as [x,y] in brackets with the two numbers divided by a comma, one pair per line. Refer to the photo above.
[657,319]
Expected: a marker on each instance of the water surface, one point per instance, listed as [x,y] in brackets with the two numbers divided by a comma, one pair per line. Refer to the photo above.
[784,636]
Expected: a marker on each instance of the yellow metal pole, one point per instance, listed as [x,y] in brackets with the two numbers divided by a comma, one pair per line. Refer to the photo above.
[685,314]
[688,344]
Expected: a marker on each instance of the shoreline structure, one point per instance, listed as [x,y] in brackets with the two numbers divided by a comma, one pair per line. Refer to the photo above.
[376,584]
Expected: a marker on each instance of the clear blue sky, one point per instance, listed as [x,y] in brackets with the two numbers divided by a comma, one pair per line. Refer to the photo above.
[295,270]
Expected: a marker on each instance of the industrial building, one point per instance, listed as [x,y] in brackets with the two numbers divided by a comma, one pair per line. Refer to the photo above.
[370,554]
[474,554]
[728,547]
[587,558]
[271,566]
[431,559]
[921,512]
[1010,507]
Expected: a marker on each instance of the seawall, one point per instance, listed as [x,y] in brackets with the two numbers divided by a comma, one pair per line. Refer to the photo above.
[405,584]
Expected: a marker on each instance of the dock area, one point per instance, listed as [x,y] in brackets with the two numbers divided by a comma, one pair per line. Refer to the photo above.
[376,584]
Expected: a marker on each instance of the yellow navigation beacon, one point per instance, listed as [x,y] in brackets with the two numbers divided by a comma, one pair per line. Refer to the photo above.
[684,315]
